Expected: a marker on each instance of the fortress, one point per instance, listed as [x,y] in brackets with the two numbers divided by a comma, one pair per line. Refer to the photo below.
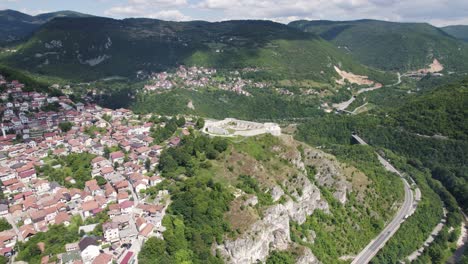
[234,127]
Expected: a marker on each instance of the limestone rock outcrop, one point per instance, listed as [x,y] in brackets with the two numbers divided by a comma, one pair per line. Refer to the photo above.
[272,232]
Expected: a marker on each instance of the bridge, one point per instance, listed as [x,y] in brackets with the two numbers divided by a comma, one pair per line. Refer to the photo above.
[359,139]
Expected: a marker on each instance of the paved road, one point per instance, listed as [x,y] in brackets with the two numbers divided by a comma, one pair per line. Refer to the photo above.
[343,105]
[366,255]
[9,218]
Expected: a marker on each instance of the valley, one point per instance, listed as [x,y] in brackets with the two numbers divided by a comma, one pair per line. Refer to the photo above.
[140,140]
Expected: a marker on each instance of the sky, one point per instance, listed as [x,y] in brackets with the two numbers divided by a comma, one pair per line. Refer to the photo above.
[436,12]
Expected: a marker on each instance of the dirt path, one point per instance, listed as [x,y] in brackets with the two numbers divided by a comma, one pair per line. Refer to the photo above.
[413,256]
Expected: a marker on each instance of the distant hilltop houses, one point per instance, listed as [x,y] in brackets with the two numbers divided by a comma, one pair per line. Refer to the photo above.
[44,135]
[199,77]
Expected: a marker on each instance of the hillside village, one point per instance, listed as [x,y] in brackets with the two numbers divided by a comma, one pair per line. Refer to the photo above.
[200,77]
[39,130]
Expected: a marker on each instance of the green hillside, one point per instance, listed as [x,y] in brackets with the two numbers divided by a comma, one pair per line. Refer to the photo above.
[90,48]
[429,129]
[460,31]
[15,25]
[390,45]
[442,111]
[404,134]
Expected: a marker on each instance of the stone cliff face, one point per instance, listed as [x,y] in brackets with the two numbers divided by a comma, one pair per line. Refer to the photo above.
[272,231]
[300,197]
[329,172]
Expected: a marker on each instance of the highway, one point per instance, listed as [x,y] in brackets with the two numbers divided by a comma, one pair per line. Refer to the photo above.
[407,208]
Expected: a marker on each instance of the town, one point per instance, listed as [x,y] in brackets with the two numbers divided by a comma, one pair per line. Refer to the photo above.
[43,139]
[199,77]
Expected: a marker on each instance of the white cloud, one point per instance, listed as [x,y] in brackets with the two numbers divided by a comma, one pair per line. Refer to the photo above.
[435,11]
[172,15]
[158,3]
[161,9]
[124,11]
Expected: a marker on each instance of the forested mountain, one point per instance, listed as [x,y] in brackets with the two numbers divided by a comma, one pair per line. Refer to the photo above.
[460,31]
[95,47]
[429,129]
[15,25]
[391,45]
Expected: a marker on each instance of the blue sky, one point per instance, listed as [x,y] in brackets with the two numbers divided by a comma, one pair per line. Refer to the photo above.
[437,12]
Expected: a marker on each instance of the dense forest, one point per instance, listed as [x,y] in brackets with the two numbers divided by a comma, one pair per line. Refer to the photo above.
[424,137]
[195,216]
[429,130]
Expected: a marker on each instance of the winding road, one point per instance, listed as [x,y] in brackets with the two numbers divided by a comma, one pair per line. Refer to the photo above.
[407,208]
[343,105]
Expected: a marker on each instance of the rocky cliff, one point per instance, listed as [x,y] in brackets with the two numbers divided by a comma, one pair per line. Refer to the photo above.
[300,198]
[272,231]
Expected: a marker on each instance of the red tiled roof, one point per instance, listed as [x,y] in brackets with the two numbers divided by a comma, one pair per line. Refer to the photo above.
[126,204]
[103,258]
[62,217]
[147,230]
[116,155]
[127,258]
[90,205]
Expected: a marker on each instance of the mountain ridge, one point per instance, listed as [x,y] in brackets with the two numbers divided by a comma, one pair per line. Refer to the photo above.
[457,31]
[93,46]
[391,45]
[16,25]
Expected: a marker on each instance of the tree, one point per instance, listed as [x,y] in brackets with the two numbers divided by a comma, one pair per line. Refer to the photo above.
[167,163]
[277,257]
[4,225]
[154,251]
[180,122]
[107,117]
[200,123]
[211,153]
[220,144]
[175,234]
[106,152]
[100,180]
[147,164]
[65,126]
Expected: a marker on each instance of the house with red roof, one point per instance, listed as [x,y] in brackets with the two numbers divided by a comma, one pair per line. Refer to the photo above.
[88,207]
[117,156]
[175,141]
[103,258]
[126,207]
[27,176]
